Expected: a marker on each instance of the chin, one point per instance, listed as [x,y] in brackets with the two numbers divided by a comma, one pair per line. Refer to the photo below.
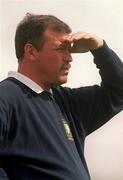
[59,81]
[63,81]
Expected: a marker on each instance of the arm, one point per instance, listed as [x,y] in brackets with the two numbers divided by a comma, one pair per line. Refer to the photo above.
[98,103]
[108,98]
[3,128]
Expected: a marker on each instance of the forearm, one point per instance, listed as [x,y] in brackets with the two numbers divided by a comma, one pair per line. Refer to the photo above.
[110,68]
[107,100]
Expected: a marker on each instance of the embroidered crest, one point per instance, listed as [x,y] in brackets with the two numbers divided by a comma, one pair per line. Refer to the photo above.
[67,130]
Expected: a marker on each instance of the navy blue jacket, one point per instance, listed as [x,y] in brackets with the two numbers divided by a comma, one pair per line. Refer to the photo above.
[33,142]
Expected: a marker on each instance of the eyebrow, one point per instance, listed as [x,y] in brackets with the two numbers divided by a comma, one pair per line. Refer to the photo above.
[65,45]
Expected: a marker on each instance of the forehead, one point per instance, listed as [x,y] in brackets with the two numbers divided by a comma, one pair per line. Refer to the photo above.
[55,38]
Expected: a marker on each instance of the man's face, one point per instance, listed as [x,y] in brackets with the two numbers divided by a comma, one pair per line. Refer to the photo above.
[54,59]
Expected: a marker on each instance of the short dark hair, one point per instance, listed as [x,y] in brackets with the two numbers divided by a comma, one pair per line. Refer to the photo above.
[31,29]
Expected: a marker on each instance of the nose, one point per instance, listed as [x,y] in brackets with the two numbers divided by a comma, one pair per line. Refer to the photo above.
[68,57]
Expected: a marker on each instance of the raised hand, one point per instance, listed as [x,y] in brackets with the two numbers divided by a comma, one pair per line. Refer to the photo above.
[82,42]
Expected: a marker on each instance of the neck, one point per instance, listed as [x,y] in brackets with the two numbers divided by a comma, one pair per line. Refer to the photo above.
[34,76]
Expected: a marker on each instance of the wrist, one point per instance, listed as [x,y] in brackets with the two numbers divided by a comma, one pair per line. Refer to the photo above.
[100,43]
[102,52]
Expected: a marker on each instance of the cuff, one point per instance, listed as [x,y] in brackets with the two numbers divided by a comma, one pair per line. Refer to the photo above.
[101,52]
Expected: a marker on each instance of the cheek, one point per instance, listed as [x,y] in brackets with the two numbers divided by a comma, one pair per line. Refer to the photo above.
[53,61]
[50,61]
[50,65]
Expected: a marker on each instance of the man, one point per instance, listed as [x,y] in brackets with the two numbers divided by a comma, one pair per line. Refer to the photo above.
[42,124]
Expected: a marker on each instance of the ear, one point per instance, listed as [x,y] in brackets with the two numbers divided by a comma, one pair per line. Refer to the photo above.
[30,52]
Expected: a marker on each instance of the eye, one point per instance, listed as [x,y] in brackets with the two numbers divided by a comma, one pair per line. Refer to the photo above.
[64,48]
[61,49]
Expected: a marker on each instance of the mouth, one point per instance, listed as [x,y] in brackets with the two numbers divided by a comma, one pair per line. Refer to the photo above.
[65,68]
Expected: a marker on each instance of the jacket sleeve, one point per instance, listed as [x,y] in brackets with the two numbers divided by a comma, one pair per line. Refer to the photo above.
[108,98]
[3,128]
[93,106]
[3,175]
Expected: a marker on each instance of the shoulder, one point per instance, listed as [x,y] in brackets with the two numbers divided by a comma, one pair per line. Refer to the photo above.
[9,90]
[7,87]
[67,92]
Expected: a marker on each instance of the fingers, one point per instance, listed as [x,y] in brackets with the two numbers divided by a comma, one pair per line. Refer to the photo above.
[77,36]
[72,37]
[88,40]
